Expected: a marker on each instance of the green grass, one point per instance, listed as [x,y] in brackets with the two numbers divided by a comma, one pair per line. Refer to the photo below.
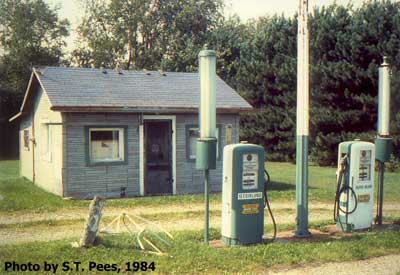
[21,194]
[322,182]
[188,254]
[9,169]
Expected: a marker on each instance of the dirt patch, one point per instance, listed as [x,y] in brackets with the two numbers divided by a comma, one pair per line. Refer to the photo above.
[21,217]
[285,213]
[50,233]
[385,265]
[289,209]
[32,234]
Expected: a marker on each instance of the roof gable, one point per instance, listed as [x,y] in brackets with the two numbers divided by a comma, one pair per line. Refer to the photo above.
[30,94]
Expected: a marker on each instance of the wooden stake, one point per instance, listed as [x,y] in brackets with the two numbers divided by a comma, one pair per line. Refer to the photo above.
[92,222]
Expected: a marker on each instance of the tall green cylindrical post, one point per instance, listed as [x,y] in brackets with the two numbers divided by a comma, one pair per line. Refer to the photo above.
[381,176]
[383,141]
[207,203]
[302,121]
[206,144]
[302,186]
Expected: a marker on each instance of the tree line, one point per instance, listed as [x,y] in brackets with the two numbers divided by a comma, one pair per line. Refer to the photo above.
[258,58]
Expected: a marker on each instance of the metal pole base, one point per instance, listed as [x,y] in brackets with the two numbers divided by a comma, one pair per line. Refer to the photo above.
[383,150]
[302,187]
[381,176]
[207,205]
[302,234]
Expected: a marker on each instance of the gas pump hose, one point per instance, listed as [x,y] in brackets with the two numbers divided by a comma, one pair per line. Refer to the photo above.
[266,205]
[341,189]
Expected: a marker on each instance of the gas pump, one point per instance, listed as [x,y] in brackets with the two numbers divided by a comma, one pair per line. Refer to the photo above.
[244,195]
[354,198]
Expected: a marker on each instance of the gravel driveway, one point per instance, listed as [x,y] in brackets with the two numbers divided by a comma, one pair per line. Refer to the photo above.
[385,265]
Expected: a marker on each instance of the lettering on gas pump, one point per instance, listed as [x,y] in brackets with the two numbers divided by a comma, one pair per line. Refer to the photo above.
[364,198]
[250,196]
[253,208]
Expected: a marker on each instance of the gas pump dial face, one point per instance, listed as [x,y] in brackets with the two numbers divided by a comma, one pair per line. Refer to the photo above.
[250,171]
[364,173]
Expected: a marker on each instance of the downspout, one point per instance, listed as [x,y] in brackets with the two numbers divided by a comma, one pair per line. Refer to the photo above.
[64,153]
[33,147]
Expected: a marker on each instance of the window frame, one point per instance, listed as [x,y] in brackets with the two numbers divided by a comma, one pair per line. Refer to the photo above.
[45,144]
[189,127]
[26,139]
[123,147]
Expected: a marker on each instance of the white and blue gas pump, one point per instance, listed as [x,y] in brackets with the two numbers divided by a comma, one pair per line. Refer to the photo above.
[354,200]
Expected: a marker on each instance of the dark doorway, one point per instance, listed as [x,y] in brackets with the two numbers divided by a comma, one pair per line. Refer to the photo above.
[158,157]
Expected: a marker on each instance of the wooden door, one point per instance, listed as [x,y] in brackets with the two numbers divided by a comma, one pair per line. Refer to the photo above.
[158,157]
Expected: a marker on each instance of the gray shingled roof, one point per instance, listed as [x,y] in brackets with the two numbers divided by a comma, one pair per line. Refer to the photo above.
[83,87]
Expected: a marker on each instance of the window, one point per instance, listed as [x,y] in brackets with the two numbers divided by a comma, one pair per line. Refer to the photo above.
[106,145]
[228,134]
[45,141]
[26,139]
[192,134]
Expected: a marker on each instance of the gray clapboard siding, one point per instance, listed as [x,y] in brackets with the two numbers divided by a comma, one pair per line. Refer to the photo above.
[189,179]
[56,95]
[83,181]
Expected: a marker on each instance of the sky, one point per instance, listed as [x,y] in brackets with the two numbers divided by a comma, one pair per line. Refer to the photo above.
[245,9]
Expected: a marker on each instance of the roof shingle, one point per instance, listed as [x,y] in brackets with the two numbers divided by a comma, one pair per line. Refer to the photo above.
[86,87]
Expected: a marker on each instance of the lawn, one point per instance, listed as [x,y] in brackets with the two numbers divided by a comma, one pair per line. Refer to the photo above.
[187,252]
[20,194]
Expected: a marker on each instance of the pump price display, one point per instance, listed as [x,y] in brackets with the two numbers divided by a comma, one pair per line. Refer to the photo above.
[364,169]
[250,171]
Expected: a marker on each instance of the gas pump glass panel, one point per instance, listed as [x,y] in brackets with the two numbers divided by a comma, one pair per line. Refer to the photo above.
[250,172]
[364,171]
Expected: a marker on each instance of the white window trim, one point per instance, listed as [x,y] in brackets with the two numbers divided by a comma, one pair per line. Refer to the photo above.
[46,141]
[121,144]
[26,148]
[197,130]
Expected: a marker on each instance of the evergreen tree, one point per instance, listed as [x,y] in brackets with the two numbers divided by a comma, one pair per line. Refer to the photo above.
[267,79]
[347,48]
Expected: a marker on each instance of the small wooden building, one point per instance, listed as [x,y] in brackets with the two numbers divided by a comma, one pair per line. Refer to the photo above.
[86,132]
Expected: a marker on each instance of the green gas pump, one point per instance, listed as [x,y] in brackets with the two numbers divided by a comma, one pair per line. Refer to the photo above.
[244,195]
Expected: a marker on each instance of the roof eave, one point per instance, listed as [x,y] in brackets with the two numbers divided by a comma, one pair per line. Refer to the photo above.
[143,109]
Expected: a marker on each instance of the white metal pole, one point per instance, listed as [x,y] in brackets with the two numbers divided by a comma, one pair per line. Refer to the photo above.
[207,141]
[384,99]
[302,121]
[207,66]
